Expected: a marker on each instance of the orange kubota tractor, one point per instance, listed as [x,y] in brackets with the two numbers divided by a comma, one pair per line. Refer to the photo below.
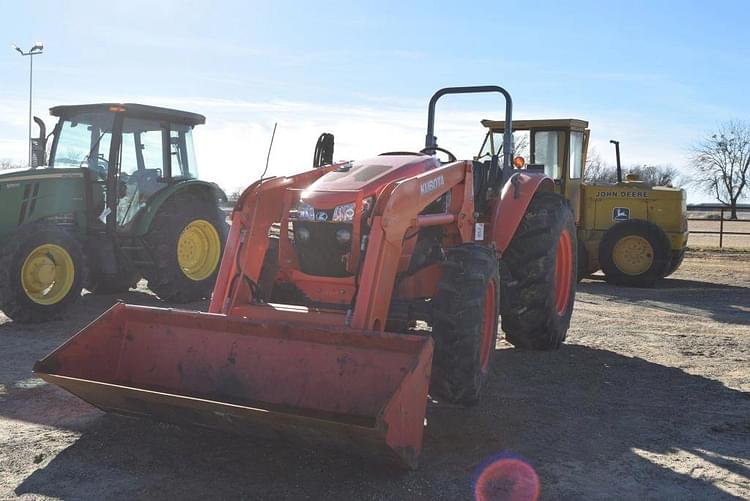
[310,328]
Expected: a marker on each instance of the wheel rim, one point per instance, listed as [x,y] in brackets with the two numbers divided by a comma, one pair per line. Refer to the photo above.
[633,255]
[198,250]
[563,272]
[489,331]
[47,274]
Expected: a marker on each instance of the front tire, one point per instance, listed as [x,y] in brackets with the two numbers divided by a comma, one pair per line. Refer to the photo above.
[677,258]
[635,253]
[542,262]
[42,272]
[186,240]
[465,318]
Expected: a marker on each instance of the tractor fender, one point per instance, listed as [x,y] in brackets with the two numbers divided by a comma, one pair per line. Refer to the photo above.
[142,223]
[508,210]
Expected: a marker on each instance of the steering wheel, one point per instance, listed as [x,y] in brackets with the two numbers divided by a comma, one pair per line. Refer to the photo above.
[451,156]
[101,167]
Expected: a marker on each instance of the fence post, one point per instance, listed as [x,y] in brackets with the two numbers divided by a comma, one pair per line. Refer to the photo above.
[721,228]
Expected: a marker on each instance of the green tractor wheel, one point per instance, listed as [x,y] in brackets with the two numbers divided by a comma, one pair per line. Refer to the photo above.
[42,271]
[186,241]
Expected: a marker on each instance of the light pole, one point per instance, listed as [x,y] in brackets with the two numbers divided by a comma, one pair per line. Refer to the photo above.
[35,50]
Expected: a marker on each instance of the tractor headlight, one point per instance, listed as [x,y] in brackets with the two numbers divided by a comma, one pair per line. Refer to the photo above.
[343,236]
[305,212]
[343,213]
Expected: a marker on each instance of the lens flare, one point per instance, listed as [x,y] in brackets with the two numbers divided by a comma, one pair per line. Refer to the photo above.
[506,478]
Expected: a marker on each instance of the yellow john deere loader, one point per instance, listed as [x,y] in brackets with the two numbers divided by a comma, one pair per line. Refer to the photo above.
[634,232]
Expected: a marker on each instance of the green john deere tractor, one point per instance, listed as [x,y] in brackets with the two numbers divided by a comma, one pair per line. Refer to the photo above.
[118,200]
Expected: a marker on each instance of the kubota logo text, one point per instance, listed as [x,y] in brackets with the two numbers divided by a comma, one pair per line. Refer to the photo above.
[431,185]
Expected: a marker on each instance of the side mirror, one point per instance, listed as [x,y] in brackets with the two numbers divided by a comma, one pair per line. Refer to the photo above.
[39,145]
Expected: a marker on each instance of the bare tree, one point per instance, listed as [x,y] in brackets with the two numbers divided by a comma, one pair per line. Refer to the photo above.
[6,163]
[657,175]
[597,171]
[722,163]
[234,196]
[520,144]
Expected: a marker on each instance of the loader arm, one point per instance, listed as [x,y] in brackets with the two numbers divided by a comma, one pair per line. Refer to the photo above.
[259,206]
[397,210]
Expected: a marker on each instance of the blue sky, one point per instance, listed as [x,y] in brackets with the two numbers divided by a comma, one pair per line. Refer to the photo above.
[656,76]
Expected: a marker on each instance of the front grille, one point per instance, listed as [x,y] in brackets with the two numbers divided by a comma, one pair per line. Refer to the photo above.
[320,253]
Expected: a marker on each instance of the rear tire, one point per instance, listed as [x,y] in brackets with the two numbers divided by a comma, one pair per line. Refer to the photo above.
[42,272]
[677,257]
[635,253]
[201,218]
[465,318]
[541,259]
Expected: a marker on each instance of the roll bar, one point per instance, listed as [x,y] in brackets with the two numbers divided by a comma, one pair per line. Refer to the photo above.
[431,140]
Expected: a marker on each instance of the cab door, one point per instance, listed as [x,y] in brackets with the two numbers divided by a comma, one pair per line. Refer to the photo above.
[577,146]
[549,148]
[562,152]
[144,166]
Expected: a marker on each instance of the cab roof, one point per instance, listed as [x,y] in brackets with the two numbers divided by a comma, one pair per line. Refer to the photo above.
[550,123]
[131,109]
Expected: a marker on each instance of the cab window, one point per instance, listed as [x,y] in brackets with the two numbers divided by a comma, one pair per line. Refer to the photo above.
[142,165]
[142,146]
[83,141]
[576,154]
[182,152]
[548,148]
[493,144]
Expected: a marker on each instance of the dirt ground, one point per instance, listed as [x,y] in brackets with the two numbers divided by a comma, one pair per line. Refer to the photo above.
[649,398]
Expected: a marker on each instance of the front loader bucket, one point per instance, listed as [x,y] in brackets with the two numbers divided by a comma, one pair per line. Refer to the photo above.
[317,383]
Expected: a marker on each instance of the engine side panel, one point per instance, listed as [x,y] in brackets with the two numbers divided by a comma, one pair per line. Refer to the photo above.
[32,195]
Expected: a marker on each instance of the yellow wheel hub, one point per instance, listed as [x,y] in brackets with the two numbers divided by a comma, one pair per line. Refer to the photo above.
[633,255]
[47,274]
[198,250]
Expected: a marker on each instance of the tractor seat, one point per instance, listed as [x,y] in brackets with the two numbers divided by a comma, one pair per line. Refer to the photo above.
[147,180]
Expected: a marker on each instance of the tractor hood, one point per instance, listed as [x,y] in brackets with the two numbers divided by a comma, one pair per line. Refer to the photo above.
[24,174]
[9,173]
[367,176]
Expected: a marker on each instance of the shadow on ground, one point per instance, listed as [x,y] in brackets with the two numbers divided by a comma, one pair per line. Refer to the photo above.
[721,302]
[584,418]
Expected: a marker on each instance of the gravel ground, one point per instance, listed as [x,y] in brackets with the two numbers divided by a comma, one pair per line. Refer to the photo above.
[649,398]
